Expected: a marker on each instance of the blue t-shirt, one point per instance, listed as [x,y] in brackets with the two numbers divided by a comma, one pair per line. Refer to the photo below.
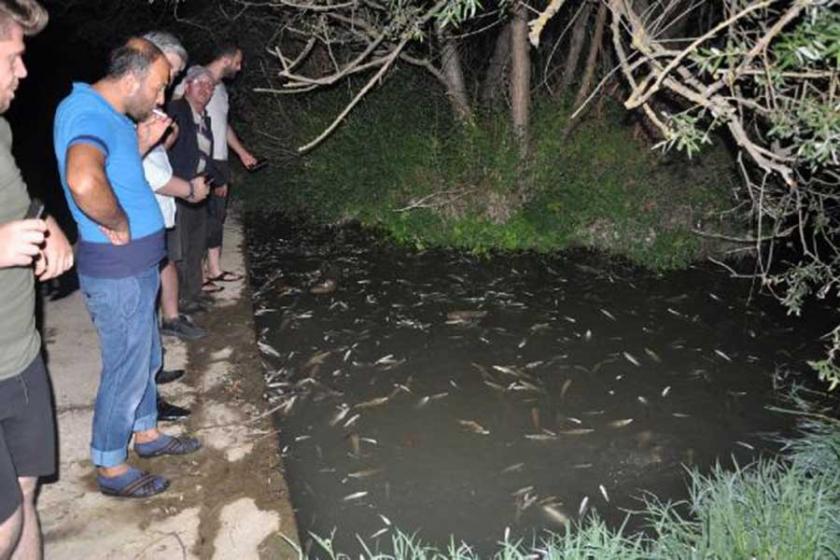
[86,117]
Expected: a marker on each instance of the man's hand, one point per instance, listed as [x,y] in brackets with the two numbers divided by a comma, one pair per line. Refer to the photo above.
[221,191]
[116,237]
[57,254]
[150,131]
[20,242]
[200,188]
[247,159]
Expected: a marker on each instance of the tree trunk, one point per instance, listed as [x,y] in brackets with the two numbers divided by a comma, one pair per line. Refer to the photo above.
[575,48]
[520,77]
[592,58]
[495,78]
[452,71]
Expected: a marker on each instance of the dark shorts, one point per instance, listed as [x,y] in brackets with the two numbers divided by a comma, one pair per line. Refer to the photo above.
[223,172]
[27,433]
[174,252]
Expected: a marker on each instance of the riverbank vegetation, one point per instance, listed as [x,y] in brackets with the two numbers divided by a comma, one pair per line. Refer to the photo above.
[399,163]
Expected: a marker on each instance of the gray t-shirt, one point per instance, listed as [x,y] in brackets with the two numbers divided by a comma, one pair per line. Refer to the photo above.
[19,340]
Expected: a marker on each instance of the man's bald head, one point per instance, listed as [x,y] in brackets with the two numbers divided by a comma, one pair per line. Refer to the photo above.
[135,57]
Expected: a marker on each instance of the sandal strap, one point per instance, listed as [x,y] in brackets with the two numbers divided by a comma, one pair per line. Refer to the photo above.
[142,481]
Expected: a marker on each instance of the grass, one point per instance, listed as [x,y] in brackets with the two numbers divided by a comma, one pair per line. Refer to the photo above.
[781,509]
[601,188]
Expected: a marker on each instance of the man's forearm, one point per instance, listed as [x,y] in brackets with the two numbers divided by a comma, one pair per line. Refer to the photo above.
[175,187]
[234,142]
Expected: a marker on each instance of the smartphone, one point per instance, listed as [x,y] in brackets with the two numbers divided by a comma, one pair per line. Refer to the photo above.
[257,166]
[35,210]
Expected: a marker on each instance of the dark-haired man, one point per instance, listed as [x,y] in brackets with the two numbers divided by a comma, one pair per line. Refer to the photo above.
[121,230]
[226,64]
[27,428]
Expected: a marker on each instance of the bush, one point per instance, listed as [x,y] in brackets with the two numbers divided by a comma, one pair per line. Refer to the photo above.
[436,183]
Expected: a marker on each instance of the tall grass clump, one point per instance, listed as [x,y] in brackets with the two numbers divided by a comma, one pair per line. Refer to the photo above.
[401,163]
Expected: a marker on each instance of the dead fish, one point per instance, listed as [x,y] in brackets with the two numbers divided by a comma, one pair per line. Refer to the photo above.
[555,514]
[513,468]
[387,360]
[608,314]
[317,358]
[437,396]
[540,437]
[632,359]
[642,400]
[665,391]
[584,503]
[723,355]
[340,415]
[680,415]
[587,336]
[465,315]
[620,423]
[355,496]
[379,533]
[474,427]
[268,349]
[352,420]
[564,388]
[365,473]
[746,445]
[372,403]
[385,520]
[523,490]
[604,492]
[653,355]
[576,432]
[422,402]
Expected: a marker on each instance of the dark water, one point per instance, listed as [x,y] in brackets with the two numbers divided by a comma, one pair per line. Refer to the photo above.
[458,395]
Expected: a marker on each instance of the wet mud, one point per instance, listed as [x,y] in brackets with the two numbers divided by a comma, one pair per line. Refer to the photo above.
[447,394]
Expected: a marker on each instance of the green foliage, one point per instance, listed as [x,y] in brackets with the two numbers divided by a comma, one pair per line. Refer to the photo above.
[464,186]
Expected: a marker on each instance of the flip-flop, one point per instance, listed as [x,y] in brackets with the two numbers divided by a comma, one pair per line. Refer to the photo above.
[167,445]
[209,287]
[226,276]
[133,483]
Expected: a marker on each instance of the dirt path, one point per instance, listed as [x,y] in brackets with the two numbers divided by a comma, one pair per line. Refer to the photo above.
[228,501]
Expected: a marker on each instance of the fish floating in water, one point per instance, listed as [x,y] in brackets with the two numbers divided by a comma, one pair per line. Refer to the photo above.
[474,427]
[621,423]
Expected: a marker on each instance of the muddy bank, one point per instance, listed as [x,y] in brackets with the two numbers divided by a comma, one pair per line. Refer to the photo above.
[227,501]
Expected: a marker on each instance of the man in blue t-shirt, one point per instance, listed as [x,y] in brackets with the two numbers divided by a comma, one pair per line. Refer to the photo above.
[121,243]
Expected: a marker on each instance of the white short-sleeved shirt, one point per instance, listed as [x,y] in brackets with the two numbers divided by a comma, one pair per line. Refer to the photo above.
[218,108]
[158,172]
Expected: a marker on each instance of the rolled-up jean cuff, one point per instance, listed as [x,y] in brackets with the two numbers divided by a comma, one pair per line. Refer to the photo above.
[146,423]
[108,458]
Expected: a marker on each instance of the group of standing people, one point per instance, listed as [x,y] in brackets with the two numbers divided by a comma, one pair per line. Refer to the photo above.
[148,190]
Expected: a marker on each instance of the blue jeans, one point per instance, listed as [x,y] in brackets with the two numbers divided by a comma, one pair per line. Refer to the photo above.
[123,312]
